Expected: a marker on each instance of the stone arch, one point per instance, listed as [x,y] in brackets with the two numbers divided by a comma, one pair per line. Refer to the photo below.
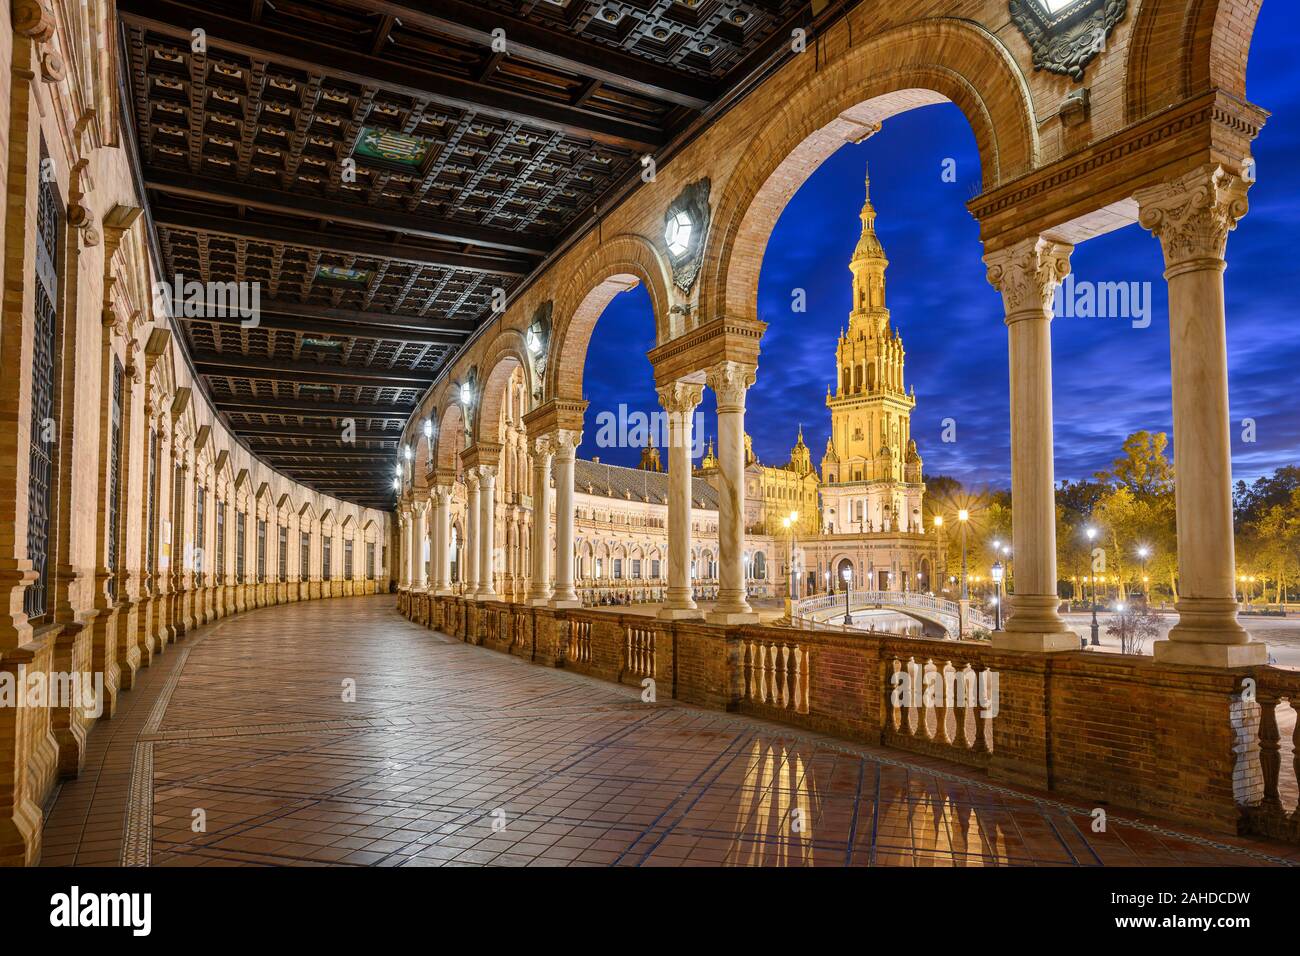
[450,435]
[506,355]
[926,62]
[1206,41]
[616,266]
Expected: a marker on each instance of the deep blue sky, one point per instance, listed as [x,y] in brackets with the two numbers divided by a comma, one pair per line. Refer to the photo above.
[1110,378]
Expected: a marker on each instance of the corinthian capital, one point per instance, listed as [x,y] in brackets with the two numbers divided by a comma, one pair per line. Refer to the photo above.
[730,381]
[566,441]
[1192,215]
[1028,273]
[543,447]
[680,398]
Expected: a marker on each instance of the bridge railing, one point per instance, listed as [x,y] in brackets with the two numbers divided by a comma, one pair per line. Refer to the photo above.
[949,611]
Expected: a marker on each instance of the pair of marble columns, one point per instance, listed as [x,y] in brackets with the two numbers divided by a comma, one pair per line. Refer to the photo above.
[730,381]
[428,521]
[554,453]
[1191,216]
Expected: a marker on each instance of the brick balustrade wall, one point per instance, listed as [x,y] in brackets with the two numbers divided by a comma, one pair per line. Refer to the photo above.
[1108,731]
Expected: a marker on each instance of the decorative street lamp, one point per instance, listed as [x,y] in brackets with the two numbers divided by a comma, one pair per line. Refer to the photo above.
[1144,552]
[828,581]
[1095,630]
[997,579]
[789,523]
[963,516]
[848,576]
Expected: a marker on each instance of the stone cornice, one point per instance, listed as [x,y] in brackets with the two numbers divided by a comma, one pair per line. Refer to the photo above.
[553,416]
[1214,126]
[724,339]
[481,454]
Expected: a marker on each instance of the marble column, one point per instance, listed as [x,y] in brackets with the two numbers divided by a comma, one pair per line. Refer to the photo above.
[431,537]
[679,401]
[566,443]
[540,590]
[487,533]
[1027,275]
[469,553]
[1192,216]
[417,551]
[408,534]
[442,541]
[730,381]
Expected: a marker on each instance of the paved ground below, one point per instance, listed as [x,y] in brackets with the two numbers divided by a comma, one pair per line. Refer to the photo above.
[337,732]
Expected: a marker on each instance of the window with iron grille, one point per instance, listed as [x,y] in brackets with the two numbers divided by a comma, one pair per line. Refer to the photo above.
[370,561]
[349,571]
[326,553]
[304,555]
[221,543]
[282,553]
[200,520]
[114,478]
[150,518]
[40,492]
[261,550]
[240,536]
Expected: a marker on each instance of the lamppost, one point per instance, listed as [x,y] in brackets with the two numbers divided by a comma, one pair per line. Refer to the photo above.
[847,575]
[963,516]
[1094,634]
[997,579]
[828,581]
[1144,552]
[789,523]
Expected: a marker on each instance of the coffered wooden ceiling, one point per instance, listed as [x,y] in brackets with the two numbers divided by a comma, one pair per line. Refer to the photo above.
[379,170]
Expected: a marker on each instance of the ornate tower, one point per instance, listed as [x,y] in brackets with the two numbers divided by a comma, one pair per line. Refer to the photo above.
[800,456]
[871,471]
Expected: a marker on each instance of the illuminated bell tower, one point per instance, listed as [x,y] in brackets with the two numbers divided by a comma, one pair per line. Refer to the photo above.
[871,471]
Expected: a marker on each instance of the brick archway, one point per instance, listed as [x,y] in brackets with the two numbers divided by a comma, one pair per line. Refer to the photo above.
[504,356]
[928,62]
[1179,48]
[450,436]
[618,265]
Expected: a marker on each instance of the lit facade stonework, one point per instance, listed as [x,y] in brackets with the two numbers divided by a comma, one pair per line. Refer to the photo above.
[132,515]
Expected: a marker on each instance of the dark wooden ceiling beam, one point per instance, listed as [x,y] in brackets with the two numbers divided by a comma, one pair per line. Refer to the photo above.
[210,188]
[309,409]
[451,260]
[474,23]
[179,20]
[310,431]
[238,365]
[324,327]
[321,456]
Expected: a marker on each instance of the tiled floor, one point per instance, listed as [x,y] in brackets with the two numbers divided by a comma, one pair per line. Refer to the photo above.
[242,745]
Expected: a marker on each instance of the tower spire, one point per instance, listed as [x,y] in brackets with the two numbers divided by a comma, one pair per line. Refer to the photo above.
[869,246]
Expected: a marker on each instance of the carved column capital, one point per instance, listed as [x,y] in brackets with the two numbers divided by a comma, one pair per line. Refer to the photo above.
[543,446]
[730,381]
[1028,273]
[567,441]
[1192,215]
[680,398]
